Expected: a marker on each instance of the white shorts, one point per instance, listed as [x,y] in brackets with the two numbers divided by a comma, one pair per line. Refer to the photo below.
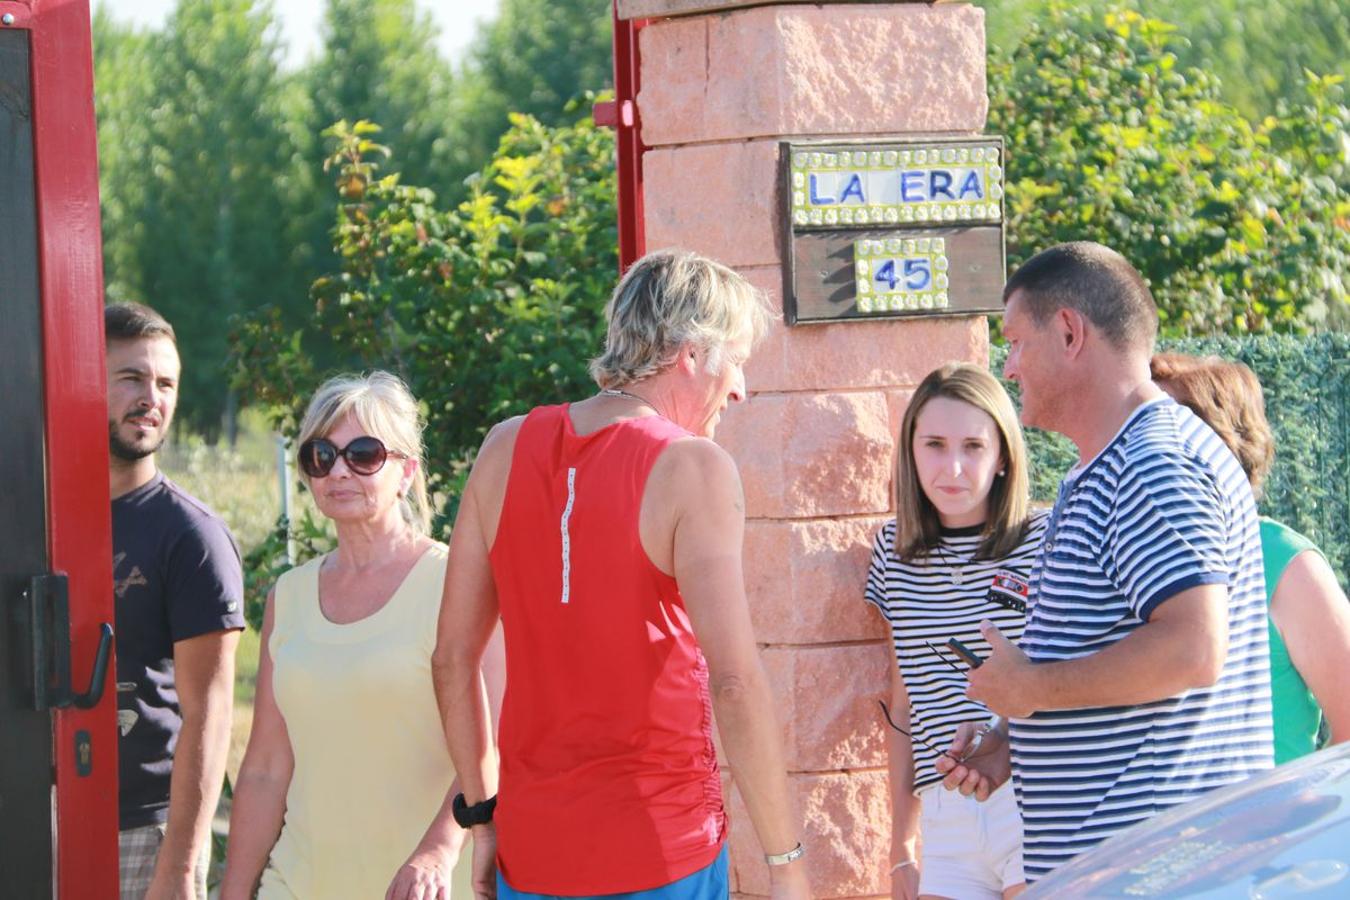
[971,850]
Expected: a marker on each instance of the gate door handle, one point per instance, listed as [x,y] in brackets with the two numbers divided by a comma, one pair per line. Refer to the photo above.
[89,699]
[49,624]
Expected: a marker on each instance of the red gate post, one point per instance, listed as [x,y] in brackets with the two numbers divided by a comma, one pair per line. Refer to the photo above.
[727,86]
[79,523]
[623,115]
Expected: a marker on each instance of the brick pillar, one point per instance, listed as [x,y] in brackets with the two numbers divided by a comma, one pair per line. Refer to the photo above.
[815,444]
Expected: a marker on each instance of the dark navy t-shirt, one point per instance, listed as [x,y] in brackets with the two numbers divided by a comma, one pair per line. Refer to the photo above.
[176,575]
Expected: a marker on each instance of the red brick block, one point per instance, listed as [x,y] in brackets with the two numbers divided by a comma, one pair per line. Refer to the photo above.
[805,580]
[852,69]
[812,455]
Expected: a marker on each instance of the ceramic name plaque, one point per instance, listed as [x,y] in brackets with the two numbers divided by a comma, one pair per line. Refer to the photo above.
[893,228]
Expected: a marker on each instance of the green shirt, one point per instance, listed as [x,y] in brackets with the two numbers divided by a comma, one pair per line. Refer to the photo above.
[1297,715]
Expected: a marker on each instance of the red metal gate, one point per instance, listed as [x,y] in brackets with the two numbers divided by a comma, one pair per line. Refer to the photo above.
[51,189]
[623,116]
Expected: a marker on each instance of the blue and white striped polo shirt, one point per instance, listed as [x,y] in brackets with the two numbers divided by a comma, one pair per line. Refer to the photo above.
[1164,507]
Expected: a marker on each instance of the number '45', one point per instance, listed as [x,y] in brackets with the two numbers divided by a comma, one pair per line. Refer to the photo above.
[916,272]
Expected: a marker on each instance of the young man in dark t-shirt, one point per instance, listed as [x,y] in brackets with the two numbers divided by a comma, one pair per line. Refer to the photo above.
[179,596]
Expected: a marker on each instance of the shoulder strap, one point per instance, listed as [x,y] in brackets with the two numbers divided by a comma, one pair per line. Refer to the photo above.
[297,590]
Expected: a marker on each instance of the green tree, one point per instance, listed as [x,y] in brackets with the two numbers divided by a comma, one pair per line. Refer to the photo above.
[1258,49]
[533,58]
[122,97]
[1238,227]
[485,309]
[200,200]
[379,62]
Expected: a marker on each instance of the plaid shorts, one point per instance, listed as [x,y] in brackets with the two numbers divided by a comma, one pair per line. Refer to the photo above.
[137,850]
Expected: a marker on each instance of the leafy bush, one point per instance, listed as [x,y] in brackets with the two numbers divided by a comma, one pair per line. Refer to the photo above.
[1306,381]
[1260,49]
[485,310]
[1238,227]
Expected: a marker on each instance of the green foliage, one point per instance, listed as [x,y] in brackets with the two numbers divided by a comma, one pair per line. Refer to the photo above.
[378,62]
[534,58]
[1262,49]
[1236,228]
[214,195]
[122,94]
[1306,382]
[1259,50]
[485,310]
[195,175]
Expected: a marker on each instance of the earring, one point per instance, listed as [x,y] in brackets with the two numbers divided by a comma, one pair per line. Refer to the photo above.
[1002,472]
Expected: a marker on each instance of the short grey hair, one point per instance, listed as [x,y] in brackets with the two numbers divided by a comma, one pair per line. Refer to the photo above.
[384,408]
[668,299]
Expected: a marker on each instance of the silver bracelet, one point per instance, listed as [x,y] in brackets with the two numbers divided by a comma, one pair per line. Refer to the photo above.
[782,859]
[902,863]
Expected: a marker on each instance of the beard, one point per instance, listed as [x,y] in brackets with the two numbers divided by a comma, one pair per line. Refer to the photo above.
[130,452]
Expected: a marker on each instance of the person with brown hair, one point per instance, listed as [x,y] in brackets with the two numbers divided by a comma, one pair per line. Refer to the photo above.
[1141,680]
[958,552]
[1309,613]
[179,590]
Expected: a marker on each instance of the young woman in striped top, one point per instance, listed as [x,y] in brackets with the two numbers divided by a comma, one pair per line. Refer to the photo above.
[959,552]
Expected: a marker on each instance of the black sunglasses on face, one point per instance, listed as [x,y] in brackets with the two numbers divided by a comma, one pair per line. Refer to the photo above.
[364,455]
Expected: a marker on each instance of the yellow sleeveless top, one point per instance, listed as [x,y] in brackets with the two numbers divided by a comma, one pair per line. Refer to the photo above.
[371,764]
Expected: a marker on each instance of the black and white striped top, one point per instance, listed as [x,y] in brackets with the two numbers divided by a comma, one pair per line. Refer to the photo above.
[1164,507]
[946,594]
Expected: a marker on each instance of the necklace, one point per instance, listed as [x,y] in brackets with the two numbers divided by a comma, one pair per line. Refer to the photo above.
[958,566]
[618,392]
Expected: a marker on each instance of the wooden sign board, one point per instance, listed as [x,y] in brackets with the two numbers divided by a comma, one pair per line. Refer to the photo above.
[893,229]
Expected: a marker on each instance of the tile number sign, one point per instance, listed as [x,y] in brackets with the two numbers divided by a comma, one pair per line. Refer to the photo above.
[893,229]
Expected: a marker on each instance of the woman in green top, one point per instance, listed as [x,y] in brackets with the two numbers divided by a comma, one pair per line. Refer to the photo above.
[1309,613]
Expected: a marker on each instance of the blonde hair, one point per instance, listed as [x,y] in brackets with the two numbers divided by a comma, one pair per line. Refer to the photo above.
[1227,395]
[384,408]
[918,529]
[668,299]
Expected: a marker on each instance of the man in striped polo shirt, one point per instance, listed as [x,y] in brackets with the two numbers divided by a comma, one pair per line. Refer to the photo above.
[1141,680]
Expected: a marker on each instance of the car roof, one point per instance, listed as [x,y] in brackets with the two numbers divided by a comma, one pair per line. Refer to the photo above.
[1279,834]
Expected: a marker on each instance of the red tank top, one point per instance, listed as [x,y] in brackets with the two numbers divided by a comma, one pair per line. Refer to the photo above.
[609,780]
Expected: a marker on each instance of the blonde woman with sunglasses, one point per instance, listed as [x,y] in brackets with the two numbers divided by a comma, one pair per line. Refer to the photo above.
[958,552]
[345,789]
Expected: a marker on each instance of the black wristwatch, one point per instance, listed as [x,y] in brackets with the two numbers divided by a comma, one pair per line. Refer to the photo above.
[468,816]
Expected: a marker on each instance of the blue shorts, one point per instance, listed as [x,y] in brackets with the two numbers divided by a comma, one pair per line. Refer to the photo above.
[708,883]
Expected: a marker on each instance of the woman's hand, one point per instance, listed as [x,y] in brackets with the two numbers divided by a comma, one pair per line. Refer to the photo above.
[425,876]
[905,882]
[977,773]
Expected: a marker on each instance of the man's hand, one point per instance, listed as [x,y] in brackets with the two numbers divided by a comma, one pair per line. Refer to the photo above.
[981,773]
[484,862]
[425,876]
[1003,681]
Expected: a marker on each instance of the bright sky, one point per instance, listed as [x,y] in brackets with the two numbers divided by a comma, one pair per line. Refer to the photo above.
[458,21]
